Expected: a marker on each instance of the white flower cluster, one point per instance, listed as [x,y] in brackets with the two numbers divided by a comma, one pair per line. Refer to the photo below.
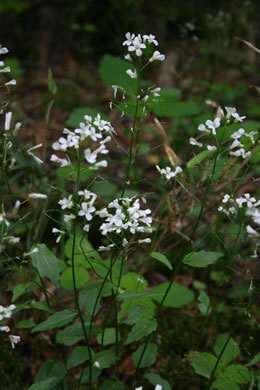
[210,126]
[6,312]
[231,113]
[137,43]
[126,217]
[245,200]
[93,129]
[240,151]
[168,173]
[6,237]
[5,69]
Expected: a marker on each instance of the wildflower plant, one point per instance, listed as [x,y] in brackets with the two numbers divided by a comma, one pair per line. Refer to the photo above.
[96,307]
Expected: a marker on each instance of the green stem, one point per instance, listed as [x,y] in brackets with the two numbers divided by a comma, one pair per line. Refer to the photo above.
[74,280]
[208,186]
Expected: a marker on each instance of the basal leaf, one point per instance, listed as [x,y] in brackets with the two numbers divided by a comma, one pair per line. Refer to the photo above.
[201,259]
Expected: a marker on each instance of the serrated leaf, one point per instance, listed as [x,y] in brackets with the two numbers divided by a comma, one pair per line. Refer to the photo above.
[224,384]
[105,359]
[231,350]
[236,373]
[25,324]
[108,336]
[43,385]
[203,363]
[79,355]
[81,278]
[51,368]
[40,306]
[46,264]
[204,306]
[162,259]
[201,259]
[56,320]
[156,379]
[70,335]
[199,158]
[142,328]
[132,281]
[177,296]
[112,71]
[147,355]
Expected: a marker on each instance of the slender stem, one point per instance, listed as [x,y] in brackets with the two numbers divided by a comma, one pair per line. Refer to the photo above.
[208,186]
[74,280]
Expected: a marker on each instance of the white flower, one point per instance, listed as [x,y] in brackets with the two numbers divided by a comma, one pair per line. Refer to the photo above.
[150,39]
[131,73]
[137,45]
[226,198]
[128,58]
[59,232]
[156,91]
[34,195]
[35,250]
[129,39]
[251,231]
[240,201]
[4,329]
[250,200]
[61,161]
[68,217]
[157,56]
[96,364]
[66,203]
[240,153]
[8,117]
[11,82]
[168,173]
[237,134]
[194,142]
[87,210]
[211,148]
[3,50]
[14,340]
[254,213]
[13,240]
[145,241]
[236,144]
[158,387]
[139,388]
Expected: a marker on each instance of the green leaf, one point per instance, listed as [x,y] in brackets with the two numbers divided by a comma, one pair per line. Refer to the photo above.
[112,385]
[231,351]
[204,306]
[89,298]
[199,158]
[43,385]
[56,320]
[18,290]
[71,335]
[40,306]
[108,336]
[147,356]
[224,384]
[25,324]
[255,360]
[132,281]
[203,363]
[104,188]
[156,379]
[174,109]
[162,259]
[78,114]
[112,71]
[51,368]
[201,259]
[46,264]
[81,277]
[236,373]
[79,355]
[177,296]
[84,251]
[142,328]
[105,358]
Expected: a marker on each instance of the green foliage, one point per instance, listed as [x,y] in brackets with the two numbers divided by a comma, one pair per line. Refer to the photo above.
[79,355]
[145,355]
[56,320]
[162,259]
[46,264]
[201,259]
[177,296]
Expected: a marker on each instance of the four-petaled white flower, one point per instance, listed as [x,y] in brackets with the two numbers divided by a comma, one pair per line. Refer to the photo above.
[66,203]
[137,45]
[131,73]
[157,56]
[87,210]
